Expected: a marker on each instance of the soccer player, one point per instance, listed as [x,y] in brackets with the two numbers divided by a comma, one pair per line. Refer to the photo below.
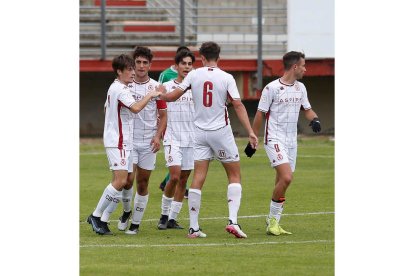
[211,87]
[178,144]
[146,140]
[117,137]
[169,74]
[281,101]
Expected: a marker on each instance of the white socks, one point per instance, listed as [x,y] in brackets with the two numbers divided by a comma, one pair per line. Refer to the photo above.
[233,198]
[276,209]
[126,199]
[194,202]
[110,196]
[165,205]
[140,203]
[175,210]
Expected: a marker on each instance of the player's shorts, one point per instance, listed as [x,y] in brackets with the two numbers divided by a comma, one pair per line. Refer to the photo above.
[179,156]
[143,156]
[217,144]
[279,154]
[119,159]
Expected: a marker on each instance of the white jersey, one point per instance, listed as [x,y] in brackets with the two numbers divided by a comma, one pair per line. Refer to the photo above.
[118,127]
[282,103]
[180,126]
[210,87]
[145,121]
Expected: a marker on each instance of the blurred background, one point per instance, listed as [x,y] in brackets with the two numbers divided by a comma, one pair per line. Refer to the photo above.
[251,52]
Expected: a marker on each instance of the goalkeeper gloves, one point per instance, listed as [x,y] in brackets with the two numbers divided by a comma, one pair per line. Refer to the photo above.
[315,124]
[249,150]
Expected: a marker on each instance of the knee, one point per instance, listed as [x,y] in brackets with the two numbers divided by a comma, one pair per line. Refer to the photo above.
[174,179]
[286,179]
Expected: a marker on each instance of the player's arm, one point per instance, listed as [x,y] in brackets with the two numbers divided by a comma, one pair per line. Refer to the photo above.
[173,95]
[162,125]
[244,120]
[313,118]
[138,106]
[257,122]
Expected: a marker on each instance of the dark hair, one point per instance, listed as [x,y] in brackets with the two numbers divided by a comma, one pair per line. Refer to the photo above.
[122,62]
[182,48]
[291,58]
[140,51]
[210,50]
[183,54]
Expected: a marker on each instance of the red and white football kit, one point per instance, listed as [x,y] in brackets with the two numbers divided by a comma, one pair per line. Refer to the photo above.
[210,88]
[282,103]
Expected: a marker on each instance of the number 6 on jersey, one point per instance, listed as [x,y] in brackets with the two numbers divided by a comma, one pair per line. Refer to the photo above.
[207,94]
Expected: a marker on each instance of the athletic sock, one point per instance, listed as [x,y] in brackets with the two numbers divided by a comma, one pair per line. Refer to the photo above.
[166,204]
[194,203]
[175,210]
[109,195]
[126,199]
[140,203]
[234,191]
[276,208]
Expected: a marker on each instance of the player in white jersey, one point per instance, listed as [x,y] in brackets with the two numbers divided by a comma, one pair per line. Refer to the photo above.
[148,131]
[119,108]
[214,138]
[281,102]
[178,144]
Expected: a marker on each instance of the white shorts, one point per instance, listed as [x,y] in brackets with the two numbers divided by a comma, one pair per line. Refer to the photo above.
[119,159]
[143,156]
[217,144]
[279,154]
[179,156]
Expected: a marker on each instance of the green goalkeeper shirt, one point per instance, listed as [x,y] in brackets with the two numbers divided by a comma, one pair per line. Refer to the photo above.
[168,74]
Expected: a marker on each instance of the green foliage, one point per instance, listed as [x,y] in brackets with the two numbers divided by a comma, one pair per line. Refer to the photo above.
[308,214]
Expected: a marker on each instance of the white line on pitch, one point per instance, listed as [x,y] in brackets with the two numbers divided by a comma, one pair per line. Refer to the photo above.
[241,217]
[205,244]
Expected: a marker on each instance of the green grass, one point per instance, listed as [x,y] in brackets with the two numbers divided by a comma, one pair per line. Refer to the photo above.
[308,214]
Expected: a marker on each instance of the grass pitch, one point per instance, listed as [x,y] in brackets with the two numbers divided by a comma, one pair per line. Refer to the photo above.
[308,213]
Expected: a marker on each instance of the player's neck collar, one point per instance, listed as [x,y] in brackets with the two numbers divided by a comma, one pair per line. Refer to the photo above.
[286,84]
[147,81]
[176,81]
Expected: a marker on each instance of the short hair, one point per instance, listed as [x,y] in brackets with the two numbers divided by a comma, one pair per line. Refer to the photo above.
[122,62]
[183,54]
[141,51]
[210,50]
[291,58]
[182,48]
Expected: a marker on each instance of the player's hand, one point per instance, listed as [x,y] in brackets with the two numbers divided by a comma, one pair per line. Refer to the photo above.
[249,150]
[162,90]
[315,124]
[155,144]
[253,140]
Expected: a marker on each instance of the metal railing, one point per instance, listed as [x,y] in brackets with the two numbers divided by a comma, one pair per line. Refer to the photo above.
[232,24]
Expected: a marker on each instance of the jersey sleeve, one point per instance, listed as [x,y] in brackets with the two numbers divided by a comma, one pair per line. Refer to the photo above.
[265,100]
[161,104]
[161,77]
[126,98]
[186,83]
[232,88]
[305,101]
